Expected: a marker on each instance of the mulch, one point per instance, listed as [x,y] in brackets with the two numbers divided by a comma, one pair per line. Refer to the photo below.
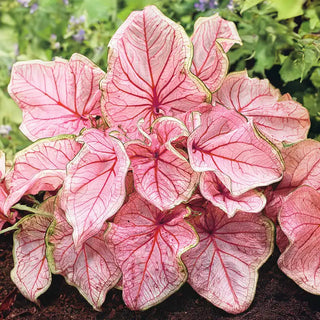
[277,298]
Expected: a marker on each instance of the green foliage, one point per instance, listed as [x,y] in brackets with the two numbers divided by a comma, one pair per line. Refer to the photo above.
[286,8]
[280,40]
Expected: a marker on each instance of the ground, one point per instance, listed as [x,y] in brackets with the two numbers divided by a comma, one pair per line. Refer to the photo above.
[277,298]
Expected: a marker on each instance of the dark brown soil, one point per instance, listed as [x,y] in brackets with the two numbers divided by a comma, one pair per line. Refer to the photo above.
[277,298]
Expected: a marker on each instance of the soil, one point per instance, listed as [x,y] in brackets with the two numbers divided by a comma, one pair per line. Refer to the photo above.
[277,298]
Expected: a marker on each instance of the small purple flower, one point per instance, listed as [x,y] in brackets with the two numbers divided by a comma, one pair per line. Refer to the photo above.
[81,19]
[55,45]
[204,5]
[34,8]
[230,5]
[66,2]
[5,129]
[73,21]
[79,36]
[24,3]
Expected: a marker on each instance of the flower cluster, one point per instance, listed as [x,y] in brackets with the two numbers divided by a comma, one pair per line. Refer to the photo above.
[76,26]
[27,3]
[203,5]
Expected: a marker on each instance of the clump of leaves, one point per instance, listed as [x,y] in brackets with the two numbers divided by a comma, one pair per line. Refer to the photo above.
[149,172]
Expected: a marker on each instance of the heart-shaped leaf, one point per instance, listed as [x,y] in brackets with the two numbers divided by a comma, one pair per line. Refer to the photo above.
[148,244]
[223,266]
[91,270]
[302,167]
[31,272]
[57,97]
[94,187]
[212,38]
[229,145]
[148,74]
[281,119]
[300,221]
[161,174]
[40,167]
[215,191]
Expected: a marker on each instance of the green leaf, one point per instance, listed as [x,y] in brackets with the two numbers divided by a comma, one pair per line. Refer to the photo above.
[312,103]
[313,16]
[249,4]
[99,10]
[131,5]
[315,77]
[298,64]
[288,8]
[9,110]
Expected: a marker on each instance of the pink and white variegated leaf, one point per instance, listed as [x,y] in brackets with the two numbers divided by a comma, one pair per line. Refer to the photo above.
[2,165]
[214,190]
[281,119]
[56,97]
[271,210]
[148,244]
[148,74]
[40,167]
[9,216]
[223,267]
[31,273]
[300,221]
[212,38]
[161,174]
[3,193]
[92,270]
[94,187]
[302,163]
[192,119]
[229,145]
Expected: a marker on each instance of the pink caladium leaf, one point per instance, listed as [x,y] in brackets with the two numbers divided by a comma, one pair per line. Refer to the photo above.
[148,244]
[212,38]
[5,216]
[92,270]
[31,272]
[2,165]
[161,174]
[40,167]
[223,266]
[94,187]
[281,119]
[57,97]
[302,163]
[148,74]
[192,119]
[273,206]
[229,145]
[300,220]
[302,167]
[214,190]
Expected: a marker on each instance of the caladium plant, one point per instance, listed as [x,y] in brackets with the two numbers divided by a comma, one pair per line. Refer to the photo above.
[153,172]
[5,216]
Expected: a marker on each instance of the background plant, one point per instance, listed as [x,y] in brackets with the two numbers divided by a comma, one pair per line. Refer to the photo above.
[280,44]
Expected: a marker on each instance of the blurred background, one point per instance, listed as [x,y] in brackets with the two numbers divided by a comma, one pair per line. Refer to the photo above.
[281,42]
